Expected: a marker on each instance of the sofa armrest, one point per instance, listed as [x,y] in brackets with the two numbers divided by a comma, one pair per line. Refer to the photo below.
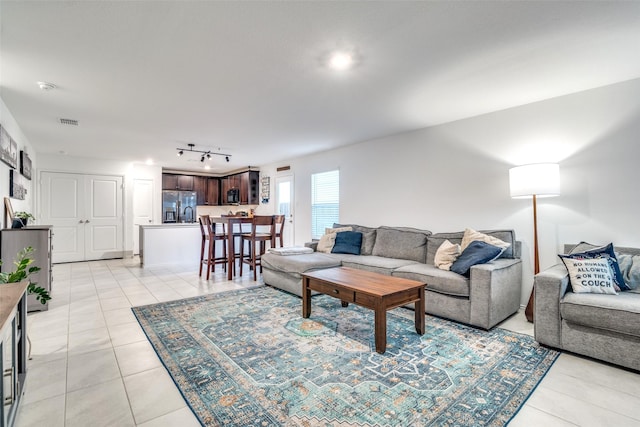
[313,245]
[550,286]
[494,291]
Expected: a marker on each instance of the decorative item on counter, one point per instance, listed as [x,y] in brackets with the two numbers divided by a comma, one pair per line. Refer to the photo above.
[251,213]
[20,219]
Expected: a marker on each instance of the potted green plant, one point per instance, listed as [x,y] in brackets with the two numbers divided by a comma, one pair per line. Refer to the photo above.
[20,219]
[22,272]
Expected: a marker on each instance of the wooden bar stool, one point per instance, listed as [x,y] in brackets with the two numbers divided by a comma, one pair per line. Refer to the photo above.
[279,227]
[262,231]
[209,239]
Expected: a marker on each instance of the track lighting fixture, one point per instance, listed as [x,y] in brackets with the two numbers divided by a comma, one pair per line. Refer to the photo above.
[204,154]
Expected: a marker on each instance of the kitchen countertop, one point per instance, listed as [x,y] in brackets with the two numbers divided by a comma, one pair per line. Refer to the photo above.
[172,225]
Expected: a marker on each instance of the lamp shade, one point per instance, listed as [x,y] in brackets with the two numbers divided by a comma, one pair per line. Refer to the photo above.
[540,179]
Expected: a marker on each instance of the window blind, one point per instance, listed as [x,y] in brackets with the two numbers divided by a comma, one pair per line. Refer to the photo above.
[325,201]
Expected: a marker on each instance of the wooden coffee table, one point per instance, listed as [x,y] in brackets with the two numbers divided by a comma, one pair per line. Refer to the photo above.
[375,291]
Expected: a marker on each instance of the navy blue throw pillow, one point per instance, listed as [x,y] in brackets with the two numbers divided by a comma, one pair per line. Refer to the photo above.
[347,242]
[477,252]
[608,253]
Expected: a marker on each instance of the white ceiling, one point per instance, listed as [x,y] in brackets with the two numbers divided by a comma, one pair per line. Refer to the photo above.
[249,78]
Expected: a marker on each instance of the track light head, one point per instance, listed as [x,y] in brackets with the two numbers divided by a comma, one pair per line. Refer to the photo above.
[180,153]
[226,158]
[202,158]
[208,156]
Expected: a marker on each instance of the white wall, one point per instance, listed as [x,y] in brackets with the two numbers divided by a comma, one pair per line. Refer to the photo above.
[71,164]
[452,176]
[8,122]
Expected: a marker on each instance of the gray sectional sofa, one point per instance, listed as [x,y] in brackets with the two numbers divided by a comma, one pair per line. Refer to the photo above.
[604,327]
[489,295]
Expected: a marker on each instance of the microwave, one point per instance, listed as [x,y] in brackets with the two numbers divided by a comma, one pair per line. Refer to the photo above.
[233,195]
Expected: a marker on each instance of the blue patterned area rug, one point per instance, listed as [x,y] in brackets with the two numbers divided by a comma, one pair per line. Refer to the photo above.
[248,358]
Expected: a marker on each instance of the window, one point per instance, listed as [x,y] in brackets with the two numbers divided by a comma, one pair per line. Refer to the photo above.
[325,201]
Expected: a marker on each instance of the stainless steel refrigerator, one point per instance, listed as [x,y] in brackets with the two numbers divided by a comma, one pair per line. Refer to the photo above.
[178,206]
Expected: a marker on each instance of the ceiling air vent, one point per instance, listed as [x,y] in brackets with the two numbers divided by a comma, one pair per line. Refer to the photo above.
[69,122]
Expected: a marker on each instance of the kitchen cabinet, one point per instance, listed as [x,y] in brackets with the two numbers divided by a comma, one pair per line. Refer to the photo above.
[200,187]
[13,240]
[13,348]
[213,192]
[246,183]
[185,182]
[177,182]
[169,181]
[249,188]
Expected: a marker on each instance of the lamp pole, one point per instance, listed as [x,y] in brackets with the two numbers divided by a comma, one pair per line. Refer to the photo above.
[528,311]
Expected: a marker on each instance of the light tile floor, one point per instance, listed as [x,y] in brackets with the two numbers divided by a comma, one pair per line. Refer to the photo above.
[92,365]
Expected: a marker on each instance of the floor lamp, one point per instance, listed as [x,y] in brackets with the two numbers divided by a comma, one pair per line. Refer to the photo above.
[534,181]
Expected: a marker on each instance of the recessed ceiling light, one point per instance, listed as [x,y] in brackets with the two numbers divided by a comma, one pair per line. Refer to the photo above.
[149,162]
[46,85]
[207,167]
[341,61]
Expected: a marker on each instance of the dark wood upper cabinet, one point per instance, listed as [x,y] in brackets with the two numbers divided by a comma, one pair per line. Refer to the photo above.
[214,191]
[169,181]
[200,187]
[177,182]
[185,182]
[249,188]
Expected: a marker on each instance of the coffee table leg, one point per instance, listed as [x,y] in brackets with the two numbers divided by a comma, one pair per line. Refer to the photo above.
[381,329]
[306,298]
[419,313]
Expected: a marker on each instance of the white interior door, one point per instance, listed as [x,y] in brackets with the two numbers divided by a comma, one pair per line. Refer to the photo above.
[86,214]
[62,205]
[103,217]
[284,206]
[142,208]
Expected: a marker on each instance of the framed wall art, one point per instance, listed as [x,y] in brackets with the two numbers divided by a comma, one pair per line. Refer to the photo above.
[17,190]
[8,148]
[25,165]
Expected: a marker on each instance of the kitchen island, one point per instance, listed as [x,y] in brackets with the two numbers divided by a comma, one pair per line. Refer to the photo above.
[170,245]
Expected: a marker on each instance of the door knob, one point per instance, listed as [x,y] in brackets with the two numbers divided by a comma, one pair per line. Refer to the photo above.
[87,221]
[81,222]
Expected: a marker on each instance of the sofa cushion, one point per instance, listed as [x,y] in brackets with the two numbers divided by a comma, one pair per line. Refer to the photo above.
[470,235]
[347,242]
[619,313]
[298,264]
[587,250]
[401,243]
[477,252]
[368,236]
[630,269]
[441,281]
[435,240]
[328,239]
[446,255]
[373,263]
[589,275]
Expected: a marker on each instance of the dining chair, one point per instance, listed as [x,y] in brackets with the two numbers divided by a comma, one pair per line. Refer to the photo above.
[233,229]
[209,239]
[279,227]
[262,231]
